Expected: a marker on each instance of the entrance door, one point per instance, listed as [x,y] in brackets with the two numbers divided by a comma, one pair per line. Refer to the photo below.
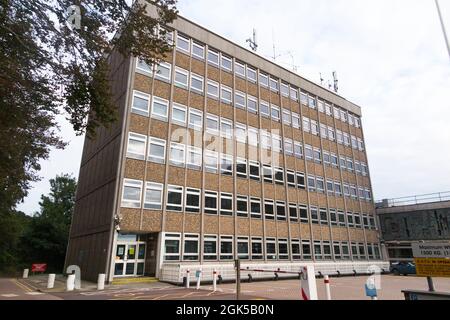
[130,259]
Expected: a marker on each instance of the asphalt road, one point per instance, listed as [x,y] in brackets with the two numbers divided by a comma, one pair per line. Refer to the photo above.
[12,289]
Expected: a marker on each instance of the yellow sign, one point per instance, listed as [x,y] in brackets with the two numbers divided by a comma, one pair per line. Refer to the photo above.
[433,267]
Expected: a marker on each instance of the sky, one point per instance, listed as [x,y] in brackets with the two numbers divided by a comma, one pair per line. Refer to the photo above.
[391,60]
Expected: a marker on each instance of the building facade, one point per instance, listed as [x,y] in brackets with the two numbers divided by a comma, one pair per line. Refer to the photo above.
[220,154]
[413,219]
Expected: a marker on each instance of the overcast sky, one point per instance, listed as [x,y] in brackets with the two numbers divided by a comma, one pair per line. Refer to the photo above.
[391,60]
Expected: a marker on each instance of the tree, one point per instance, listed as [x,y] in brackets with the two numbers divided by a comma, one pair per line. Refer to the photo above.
[46,238]
[53,60]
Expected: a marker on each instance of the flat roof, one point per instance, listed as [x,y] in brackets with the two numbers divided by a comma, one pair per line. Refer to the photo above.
[243,54]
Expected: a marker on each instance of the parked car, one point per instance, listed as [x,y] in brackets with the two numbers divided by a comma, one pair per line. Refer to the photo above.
[403,268]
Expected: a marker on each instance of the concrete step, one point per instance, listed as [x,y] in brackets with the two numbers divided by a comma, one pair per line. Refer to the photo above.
[118,281]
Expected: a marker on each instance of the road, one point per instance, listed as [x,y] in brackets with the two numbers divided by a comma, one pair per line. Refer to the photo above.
[12,289]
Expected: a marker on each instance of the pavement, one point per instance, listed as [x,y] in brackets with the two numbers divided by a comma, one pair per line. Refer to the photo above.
[345,288]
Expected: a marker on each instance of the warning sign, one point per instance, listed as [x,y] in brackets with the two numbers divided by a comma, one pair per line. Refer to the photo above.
[433,267]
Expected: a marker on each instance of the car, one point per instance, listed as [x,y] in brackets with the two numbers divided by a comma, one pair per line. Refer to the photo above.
[403,267]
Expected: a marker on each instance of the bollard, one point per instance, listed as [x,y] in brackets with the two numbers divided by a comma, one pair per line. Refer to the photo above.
[308,283]
[215,280]
[188,278]
[327,286]
[25,273]
[70,283]
[101,281]
[51,281]
[199,278]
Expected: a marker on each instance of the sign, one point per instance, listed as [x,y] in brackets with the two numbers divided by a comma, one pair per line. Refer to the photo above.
[38,267]
[371,290]
[432,259]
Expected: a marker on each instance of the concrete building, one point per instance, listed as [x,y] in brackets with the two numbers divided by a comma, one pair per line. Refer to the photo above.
[404,221]
[221,154]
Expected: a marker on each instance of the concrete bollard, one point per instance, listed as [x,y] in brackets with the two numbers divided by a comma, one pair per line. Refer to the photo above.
[25,273]
[51,281]
[327,286]
[215,280]
[70,283]
[199,278]
[101,281]
[188,278]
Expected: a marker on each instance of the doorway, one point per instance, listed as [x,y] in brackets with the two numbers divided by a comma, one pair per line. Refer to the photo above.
[130,257]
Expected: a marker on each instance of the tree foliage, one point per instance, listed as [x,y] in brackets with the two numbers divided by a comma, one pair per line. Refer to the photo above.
[50,64]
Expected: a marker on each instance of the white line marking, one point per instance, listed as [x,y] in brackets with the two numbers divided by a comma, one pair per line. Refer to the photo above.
[34,293]
[9,295]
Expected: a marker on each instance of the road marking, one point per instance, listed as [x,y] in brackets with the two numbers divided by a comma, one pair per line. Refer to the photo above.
[9,295]
[34,293]
[21,285]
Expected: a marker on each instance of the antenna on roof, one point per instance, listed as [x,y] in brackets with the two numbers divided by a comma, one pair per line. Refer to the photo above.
[252,41]
[321,79]
[336,87]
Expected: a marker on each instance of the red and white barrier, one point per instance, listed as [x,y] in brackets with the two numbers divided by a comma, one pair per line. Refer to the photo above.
[188,278]
[327,287]
[215,280]
[308,283]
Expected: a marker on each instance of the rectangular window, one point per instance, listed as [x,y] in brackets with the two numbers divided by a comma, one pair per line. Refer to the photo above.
[303,99]
[156,150]
[271,249]
[314,215]
[287,117]
[226,248]
[345,251]
[172,247]
[295,249]
[294,94]
[323,216]
[179,114]
[311,102]
[257,249]
[255,208]
[306,250]
[211,206]
[153,196]
[290,178]
[226,128]
[141,65]
[252,136]
[240,131]
[198,50]
[212,124]
[314,128]
[263,80]
[254,170]
[301,180]
[183,43]
[334,160]
[242,248]
[160,108]
[330,187]
[251,74]
[242,206]
[298,150]
[279,176]
[275,112]
[181,77]
[226,94]
[131,194]
[141,103]
[213,89]
[281,211]
[136,146]
[265,109]
[326,158]
[283,249]
[277,145]
[295,120]
[327,250]
[269,211]
[309,153]
[177,154]
[191,247]
[274,84]
[211,161]
[226,204]
[341,218]
[311,183]
[239,100]
[226,165]
[239,69]
[318,250]
[241,168]
[320,185]
[266,140]
[268,173]
[303,210]
[195,119]
[338,189]
[317,155]
[194,158]
[197,83]
[333,217]
[285,89]
[293,212]
[213,58]
[227,63]
[210,247]
[192,200]
[323,131]
[163,71]
[350,220]
[252,104]
[174,198]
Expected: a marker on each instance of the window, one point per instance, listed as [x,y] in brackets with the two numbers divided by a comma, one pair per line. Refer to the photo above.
[226,204]
[212,124]
[337,250]
[265,109]
[179,114]
[311,183]
[153,196]
[225,94]
[183,43]
[294,94]
[192,200]
[306,124]
[239,100]
[333,217]
[300,180]
[283,249]
[303,211]
[213,57]
[314,128]
[241,132]
[263,79]
[241,168]
[275,112]
[251,74]
[226,247]
[295,249]
[346,190]
[330,187]
[163,71]
[266,141]
[242,206]
[293,213]
[160,108]
[213,89]
[131,195]
[321,106]
[350,220]
[255,208]
[311,102]
[290,177]
[343,116]
[320,185]
[345,251]
[242,248]
[254,170]
[253,136]
[142,66]
[326,158]
[338,189]
[317,155]
[357,219]
[298,150]
[277,145]
[279,176]
[226,165]
[252,104]
[287,117]
[194,158]
[226,128]
[211,202]
[314,215]
[136,146]
[327,250]
[284,89]
[211,161]
[177,154]
[198,50]
[197,83]
[140,104]
[339,137]
[350,164]
[269,212]
[336,113]
[156,150]
[323,216]
[268,173]
[341,218]
[239,69]
[271,249]
[334,160]
[181,78]
[174,198]
[227,63]
[328,109]
[172,247]
[295,120]
[257,249]
[303,99]
[331,134]
[281,211]
[323,131]
[306,249]
[274,84]
[210,247]
[195,119]
[191,247]
[318,250]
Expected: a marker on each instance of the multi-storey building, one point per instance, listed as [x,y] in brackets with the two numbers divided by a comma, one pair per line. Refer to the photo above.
[220,154]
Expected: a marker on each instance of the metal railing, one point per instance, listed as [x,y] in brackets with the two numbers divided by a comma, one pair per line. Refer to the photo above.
[414,200]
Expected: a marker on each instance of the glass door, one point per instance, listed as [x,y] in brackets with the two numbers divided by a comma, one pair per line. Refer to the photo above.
[130,259]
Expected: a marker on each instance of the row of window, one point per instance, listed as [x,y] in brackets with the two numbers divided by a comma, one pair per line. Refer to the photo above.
[213,162]
[217,59]
[186,247]
[185,199]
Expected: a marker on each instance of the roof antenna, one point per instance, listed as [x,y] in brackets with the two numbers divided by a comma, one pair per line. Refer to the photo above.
[321,79]
[252,41]
[336,87]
